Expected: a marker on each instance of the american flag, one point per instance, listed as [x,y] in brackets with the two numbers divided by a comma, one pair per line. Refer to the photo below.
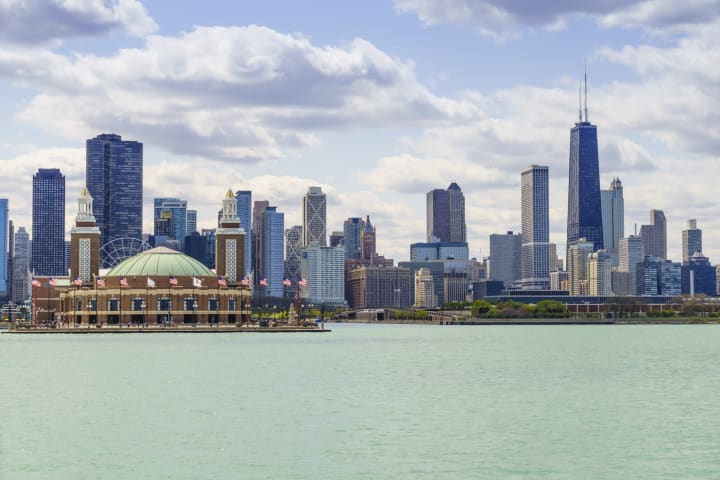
[302,282]
[123,282]
[287,282]
[100,282]
[173,280]
[52,282]
[245,281]
[35,282]
[264,282]
[222,281]
[77,282]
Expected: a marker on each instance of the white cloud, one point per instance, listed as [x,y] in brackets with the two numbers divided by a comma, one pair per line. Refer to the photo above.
[47,21]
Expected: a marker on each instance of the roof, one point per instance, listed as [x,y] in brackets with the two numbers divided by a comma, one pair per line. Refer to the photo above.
[160,261]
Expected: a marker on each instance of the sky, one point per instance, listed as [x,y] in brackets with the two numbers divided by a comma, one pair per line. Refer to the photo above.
[376,101]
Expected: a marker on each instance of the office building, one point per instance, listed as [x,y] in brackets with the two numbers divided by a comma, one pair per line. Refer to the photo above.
[505,262]
[559,280]
[244,212]
[691,240]
[293,246]
[170,219]
[48,223]
[622,283]
[379,287]
[314,212]
[21,267]
[114,178]
[445,214]
[698,276]
[456,283]
[273,251]
[584,219]
[423,252]
[577,261]
[191,222]
[337,238]
[654,236]
[631,252]
[258,240]
[425,296]
[613,218]
[368,249]
[323,268]
[436,269]
[196,246]
[657,276]
[4,235]
[535,236]
[352,229]
[599,272]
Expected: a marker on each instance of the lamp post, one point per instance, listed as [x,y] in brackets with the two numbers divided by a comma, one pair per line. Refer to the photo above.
[142,307]
[195,306]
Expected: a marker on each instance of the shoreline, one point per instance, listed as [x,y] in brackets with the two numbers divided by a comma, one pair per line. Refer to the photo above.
[543,321]
[82,330]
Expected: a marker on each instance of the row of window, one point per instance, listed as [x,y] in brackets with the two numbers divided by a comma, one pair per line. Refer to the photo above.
[163,304]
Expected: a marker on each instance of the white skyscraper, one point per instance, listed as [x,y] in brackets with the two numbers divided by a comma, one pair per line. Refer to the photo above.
[535,228]
[599,269]
[631,253]
[613,218]
[324,270]
[577,261]
[314,217]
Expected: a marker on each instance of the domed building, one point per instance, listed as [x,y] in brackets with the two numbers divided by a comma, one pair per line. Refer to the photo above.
[160,286]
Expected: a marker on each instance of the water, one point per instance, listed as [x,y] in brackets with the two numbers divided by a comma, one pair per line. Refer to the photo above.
[365,402]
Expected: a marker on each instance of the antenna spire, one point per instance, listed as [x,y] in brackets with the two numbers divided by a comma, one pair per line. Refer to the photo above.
[580,101]
[586,115]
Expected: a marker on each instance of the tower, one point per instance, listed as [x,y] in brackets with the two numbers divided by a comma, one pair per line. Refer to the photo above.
[229,242]
[584,219]
[369,247]
[314,211]
[691,241]
[273,238]
[613,218]
[505,258]
[654,236]
[293,244]
[258,242]
[535,236]
[21,266]
[352,229]
[631,253]
[445,214]
[114,178]
[171,219]
[84,241]
[48,223]
[244,209]
[4,226]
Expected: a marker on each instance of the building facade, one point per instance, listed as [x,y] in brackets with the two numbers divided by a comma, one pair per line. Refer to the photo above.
[170,219]
[230,243]
[114,178]
[425,296]
[84,243]
[613,218]
[378,287]
[535,236]
[599,271]
[5,252]
[244,212]
[423,252]
[323,269]
[314,212]
[273,251]
[577,260]
[445,215]
[505,258]
[699,277]
[654,236]
[353,229]
[691,240]
[48,223]
[631,252]
[293,247]
[21,267]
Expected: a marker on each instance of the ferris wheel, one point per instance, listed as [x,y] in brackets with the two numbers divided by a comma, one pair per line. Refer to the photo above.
[117,250]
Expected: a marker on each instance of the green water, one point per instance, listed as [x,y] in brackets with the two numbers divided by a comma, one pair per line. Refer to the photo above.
[365,402]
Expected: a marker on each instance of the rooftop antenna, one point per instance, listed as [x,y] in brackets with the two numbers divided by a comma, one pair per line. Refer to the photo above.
[580,101]
[586,115]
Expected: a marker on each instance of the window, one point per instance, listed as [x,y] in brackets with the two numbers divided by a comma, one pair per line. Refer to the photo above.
[113,304]
[212,304]
[190,304]
[92,304]
[164,304]
[138,304]
[231,303]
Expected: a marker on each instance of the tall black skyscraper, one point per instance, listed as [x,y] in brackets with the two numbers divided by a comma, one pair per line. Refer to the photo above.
[48,223]
[446,215]
[114,177]
[584,205]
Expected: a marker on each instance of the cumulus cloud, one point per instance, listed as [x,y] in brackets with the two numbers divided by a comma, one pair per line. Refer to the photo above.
[502,19]
[232,93]
[44,21]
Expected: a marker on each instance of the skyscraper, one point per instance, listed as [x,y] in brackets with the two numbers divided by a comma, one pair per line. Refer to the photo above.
[114,177]
[170,219]
[48,223]
[244,210]
[535,228]
[631,253]
[577,261]
[21,266]
[353,228]
[369,247]
[324,270]
[191,222]
[274,264]
[314,212]
[599,270]
[445,214]
[505,258]
[258,242]
[613,218]
[654,236]
[293,244]
[691,240]
[584,218]
[4,224]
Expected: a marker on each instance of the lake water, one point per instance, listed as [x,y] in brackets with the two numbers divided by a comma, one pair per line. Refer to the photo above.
[365,402]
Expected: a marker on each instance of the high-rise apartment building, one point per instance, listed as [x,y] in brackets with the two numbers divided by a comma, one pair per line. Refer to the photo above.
[21,267]
[114,177]
[599,272]
[323,268]
[698,276]
[445,214]
[654,236]
[10,269]
[425,296]
[631,253]
[584,219]
[293,246]
[377,287]
[48,223]
[691,240]
[353,229]
[613,218]
[170,219]
[258,239]
[4,234]
[192,222]
[505,258]
[577,261]
[314,212]
[273,252]
[535,236]
[244,211]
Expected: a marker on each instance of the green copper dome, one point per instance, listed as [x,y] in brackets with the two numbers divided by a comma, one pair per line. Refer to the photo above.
[160,261]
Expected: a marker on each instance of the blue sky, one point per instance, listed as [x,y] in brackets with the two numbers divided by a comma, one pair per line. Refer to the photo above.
[376,101]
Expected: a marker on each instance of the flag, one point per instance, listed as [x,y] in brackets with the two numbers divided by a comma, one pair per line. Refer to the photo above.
[245,281]
[77,282]
[173,280]
[197,283]
[100,282]
[264,282]
[302,282]
[35,282]
[150,282]
[52,282]
[123,281]
[287,282]
[222,281]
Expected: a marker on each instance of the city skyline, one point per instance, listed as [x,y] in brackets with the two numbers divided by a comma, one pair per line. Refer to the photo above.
[402,117]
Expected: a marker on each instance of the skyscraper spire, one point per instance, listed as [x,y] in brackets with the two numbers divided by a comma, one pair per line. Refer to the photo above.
[586,113]
[580,101]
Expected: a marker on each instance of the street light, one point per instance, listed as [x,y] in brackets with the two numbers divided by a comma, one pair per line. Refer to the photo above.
[142,307]
[195,306]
